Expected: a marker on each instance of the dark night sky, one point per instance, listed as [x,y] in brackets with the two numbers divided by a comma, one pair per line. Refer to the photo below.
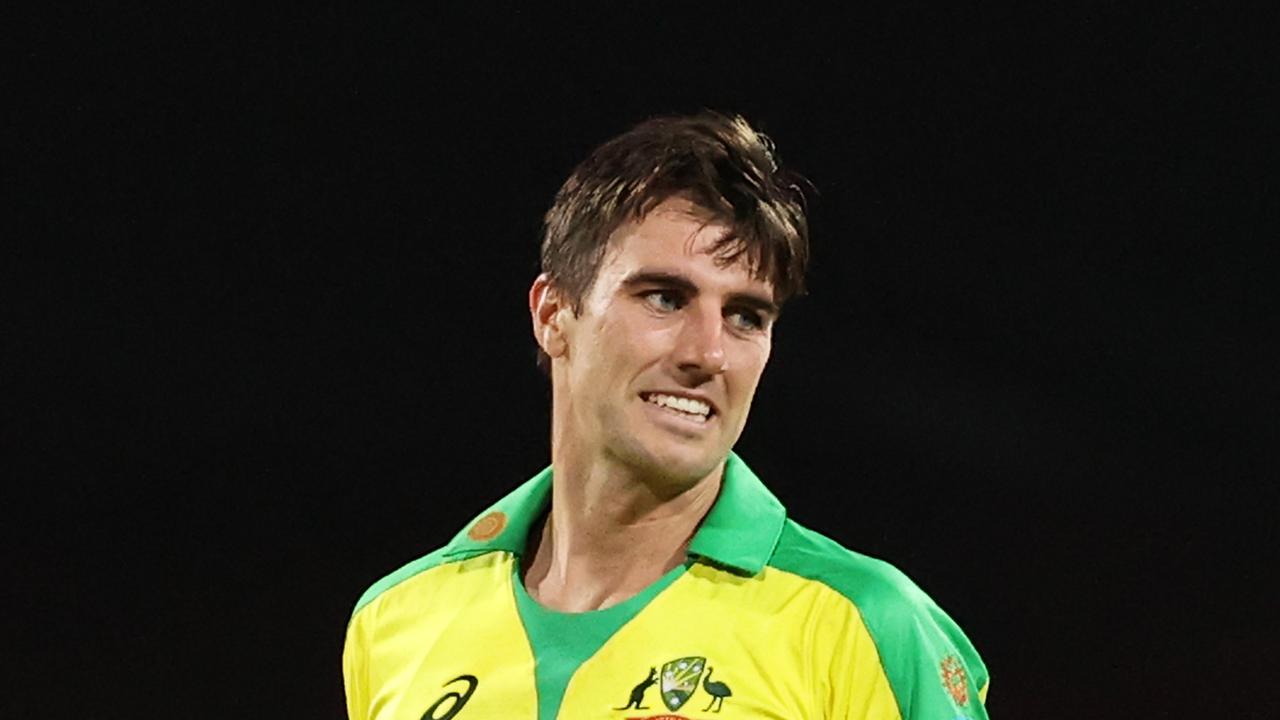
[265,335]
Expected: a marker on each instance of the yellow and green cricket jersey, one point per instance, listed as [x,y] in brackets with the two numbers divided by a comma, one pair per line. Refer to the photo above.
[766,619]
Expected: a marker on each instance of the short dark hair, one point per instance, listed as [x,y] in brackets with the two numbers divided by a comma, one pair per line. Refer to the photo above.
[719,162]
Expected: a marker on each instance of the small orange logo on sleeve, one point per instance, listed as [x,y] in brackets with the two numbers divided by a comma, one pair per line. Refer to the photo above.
[955,679]
[488,527]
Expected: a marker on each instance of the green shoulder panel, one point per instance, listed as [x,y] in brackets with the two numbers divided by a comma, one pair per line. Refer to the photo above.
[505,526]
[422,564]
[933,669]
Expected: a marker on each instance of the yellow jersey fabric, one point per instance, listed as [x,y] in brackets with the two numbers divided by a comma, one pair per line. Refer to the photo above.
[766,620]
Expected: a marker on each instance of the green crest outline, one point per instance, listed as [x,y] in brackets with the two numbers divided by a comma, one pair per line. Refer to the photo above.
[679,680]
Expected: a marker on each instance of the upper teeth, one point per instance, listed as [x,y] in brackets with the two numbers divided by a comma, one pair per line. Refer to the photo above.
[689,405]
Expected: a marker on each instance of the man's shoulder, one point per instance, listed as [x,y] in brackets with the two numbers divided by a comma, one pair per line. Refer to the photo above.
[409,570]
[889,602]
[864,580]
[905,623]
[502,528]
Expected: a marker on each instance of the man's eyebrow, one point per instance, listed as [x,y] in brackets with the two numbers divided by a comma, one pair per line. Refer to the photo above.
[752,300]
[658,277]
[756,302]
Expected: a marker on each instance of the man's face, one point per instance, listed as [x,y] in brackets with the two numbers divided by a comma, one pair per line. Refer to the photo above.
[659,368]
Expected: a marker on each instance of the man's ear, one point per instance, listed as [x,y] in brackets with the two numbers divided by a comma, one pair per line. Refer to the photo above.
[549,310]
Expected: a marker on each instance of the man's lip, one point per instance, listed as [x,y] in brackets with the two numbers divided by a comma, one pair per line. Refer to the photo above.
[644,395]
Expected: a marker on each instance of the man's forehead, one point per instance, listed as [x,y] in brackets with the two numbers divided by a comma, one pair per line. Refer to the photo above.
[677,237]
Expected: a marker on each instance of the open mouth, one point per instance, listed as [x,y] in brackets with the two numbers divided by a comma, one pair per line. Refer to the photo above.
[684,407]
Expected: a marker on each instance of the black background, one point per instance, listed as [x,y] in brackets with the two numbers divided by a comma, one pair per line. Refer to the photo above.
[266,339]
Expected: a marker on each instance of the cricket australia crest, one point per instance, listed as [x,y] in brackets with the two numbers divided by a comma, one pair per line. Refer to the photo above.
[680,679]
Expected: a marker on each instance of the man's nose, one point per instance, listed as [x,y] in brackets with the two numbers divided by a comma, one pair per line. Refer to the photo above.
[701,346]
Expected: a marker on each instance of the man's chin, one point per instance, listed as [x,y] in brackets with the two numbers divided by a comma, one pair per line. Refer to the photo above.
[673,467]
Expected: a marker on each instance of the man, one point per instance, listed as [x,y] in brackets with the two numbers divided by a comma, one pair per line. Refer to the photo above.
[647,573]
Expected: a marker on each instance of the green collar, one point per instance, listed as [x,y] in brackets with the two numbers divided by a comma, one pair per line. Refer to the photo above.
[740,531]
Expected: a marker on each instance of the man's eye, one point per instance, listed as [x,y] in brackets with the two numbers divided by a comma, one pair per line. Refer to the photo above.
[747,319]
[664,300]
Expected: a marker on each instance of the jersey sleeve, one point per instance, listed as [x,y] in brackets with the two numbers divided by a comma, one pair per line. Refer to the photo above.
[881,648]
[355,669]
[933,670]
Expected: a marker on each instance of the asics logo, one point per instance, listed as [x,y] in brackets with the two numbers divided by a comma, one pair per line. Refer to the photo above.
[451,702]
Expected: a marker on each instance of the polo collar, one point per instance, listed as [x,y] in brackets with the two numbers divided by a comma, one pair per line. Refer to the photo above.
[740,531]
[744,525]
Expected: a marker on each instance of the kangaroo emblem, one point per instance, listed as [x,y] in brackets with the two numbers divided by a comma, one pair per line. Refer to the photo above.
[637,692]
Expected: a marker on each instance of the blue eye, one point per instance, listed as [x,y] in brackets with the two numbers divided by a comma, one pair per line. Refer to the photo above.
[663,300]
[747,319]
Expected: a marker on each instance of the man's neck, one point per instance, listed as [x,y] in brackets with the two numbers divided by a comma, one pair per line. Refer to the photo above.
[609,535]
